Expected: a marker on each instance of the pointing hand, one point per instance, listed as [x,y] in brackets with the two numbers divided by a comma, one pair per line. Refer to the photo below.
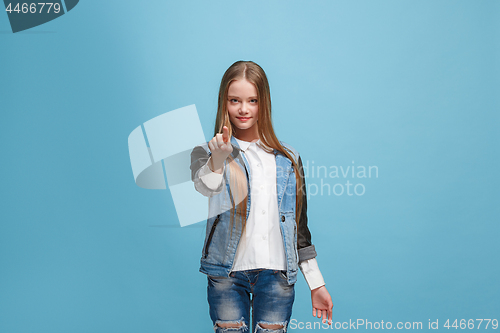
[221,148]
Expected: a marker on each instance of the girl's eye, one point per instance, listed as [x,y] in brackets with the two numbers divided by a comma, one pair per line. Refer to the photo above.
[253,101]
[233,100]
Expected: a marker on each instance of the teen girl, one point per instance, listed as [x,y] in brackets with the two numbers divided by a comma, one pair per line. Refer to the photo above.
[257,235]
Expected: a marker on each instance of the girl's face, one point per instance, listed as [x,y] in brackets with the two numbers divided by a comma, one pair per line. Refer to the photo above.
[243,106]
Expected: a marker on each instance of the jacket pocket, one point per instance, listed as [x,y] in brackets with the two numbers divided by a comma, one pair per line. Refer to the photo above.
[209,239]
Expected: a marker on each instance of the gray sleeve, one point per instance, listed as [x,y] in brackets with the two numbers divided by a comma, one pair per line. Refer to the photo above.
[199,157]
[305,246]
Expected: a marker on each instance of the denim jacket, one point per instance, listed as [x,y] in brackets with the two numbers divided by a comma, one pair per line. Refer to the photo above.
[219,248]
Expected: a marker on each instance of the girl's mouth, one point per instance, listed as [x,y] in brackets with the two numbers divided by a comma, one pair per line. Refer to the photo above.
[243,118]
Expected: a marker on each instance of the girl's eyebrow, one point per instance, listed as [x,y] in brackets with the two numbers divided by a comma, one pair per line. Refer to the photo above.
[252,97]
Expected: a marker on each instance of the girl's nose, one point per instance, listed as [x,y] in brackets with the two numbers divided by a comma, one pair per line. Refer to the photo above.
[244,108]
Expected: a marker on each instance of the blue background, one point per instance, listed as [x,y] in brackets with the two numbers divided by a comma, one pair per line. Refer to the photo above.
[411,87]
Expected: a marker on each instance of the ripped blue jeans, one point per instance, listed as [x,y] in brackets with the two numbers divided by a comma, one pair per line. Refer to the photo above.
[271,302]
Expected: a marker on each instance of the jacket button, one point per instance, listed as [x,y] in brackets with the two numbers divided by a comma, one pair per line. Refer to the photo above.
[282,218]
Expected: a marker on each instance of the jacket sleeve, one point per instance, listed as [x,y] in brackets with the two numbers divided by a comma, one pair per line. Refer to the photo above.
[199,157]
[304,245]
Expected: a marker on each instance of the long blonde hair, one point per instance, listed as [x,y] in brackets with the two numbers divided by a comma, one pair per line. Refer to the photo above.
[238,181]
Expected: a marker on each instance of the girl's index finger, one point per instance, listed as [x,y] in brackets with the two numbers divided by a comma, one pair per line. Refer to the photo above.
[225,134]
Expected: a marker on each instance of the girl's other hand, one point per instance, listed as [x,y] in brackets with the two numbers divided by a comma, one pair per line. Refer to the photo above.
[221,148]
[322,304]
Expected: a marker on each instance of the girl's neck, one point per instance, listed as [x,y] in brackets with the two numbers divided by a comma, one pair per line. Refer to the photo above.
[247,135]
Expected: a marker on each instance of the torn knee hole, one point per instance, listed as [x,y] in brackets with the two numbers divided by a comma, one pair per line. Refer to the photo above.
[270,326]
[230,324]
